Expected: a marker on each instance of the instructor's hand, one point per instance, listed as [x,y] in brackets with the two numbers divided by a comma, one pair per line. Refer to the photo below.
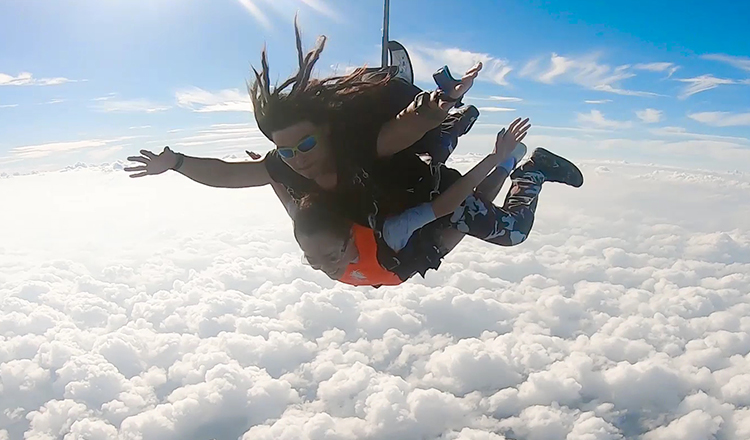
[466,82]
[152,163]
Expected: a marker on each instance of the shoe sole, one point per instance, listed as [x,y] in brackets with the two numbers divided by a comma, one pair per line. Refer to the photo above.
[565,161]
[473,114]
[518,153]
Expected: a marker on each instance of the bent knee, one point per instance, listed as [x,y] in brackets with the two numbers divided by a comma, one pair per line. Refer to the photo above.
[512,238]
[517,237]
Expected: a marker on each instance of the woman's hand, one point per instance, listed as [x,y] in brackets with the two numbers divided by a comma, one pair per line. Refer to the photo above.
[152,163]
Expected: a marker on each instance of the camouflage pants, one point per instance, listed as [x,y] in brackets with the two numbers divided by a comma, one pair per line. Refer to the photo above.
[508,225]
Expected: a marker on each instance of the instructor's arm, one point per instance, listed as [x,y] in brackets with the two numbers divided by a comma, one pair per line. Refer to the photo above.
[415,120]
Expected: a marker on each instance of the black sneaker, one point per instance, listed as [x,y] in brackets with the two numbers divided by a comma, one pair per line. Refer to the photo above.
[555,168]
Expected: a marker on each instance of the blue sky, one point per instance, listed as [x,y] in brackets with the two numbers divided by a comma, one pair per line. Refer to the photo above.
[96,80]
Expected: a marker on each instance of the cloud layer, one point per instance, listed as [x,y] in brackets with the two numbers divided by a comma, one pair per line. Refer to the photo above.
[162,309]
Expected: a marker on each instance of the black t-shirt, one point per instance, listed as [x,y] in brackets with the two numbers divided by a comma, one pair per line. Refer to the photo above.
[369,188]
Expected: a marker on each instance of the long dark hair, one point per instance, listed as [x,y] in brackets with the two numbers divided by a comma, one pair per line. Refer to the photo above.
[314,100]
[318,213]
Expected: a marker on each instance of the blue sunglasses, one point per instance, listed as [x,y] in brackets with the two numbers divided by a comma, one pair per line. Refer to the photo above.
[304,146]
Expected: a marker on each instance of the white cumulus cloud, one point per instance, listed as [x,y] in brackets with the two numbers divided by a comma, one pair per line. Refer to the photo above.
[426,60]
[597,119]
[649,115]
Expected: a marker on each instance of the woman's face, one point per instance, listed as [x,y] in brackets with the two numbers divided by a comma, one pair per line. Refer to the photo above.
[305,148]
[328,252]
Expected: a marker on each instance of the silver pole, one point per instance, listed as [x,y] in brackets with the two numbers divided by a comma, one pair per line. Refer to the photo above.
[386,13]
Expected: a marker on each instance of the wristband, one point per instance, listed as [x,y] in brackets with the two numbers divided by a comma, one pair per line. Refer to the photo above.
[180,159]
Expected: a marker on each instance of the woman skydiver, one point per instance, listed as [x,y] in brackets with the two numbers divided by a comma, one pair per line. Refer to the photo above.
[353,137]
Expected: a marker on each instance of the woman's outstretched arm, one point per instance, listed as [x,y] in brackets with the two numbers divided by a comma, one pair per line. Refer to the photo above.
[207,171]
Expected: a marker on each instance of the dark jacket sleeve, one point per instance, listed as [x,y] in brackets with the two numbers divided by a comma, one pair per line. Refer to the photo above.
[358,127]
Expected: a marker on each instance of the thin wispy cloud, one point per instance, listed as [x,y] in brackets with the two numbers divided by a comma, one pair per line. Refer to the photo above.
[130,106]
[571,129]
[596,118]
[7,160]
[8,105]
[426,60]
[624,92]
[43,150]
[670,68]
[738,62]
[585,71]
[722,119]
[203,101]
[597,101]
[55,101]
[649,115]
[702,83]
[494,98]
[106,97]
[27,79]
[681,132]
[99,154]
[217,138]
[496,109]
